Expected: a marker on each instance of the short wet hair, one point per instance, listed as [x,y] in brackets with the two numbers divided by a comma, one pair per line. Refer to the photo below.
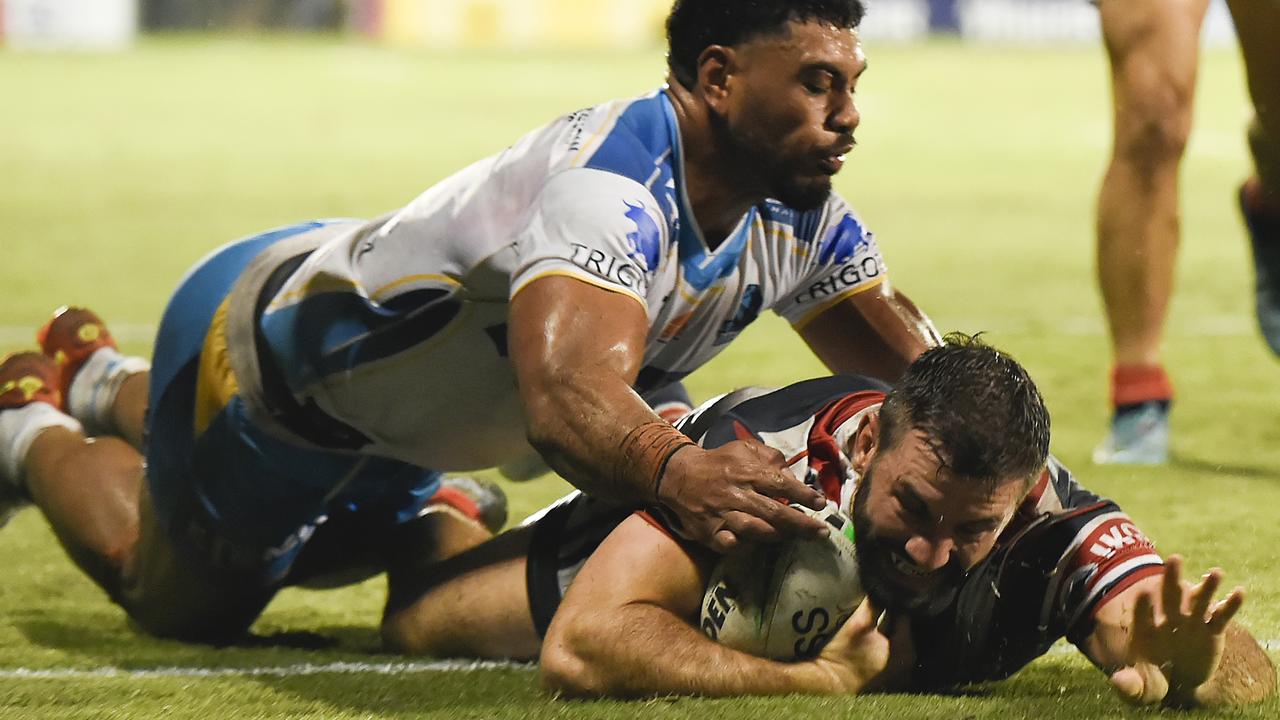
[980,410]
[694,25]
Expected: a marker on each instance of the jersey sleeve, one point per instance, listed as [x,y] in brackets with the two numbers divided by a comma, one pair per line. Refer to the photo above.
[841,260]
[595,226]
[1102,552]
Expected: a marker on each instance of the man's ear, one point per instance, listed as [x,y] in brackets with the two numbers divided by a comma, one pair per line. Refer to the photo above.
[866,441]
[715,67]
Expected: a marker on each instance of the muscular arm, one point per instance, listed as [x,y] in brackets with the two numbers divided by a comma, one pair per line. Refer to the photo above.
[876,332]
[1145,663]
[623,630]
[577,350]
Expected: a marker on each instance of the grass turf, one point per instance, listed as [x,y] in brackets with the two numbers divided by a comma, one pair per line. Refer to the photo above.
[977,168]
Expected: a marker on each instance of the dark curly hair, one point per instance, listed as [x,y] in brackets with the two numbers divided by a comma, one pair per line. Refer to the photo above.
[693,25]
[979,408]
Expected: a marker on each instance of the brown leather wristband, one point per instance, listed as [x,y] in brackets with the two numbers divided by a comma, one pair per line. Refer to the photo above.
[645,451]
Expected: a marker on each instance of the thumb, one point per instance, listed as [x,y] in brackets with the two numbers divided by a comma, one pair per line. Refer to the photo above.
[1141,684]
[1128,684]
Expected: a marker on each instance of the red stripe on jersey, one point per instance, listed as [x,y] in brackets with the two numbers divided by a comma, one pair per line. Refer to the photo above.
[1112,543]
[1145,571]
[742,432]
[824,454]
[661,526]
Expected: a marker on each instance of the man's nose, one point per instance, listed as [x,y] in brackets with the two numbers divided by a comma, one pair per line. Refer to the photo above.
[930,554]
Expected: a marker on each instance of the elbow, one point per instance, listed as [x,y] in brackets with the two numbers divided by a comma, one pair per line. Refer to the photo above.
[566,674]
[566,667]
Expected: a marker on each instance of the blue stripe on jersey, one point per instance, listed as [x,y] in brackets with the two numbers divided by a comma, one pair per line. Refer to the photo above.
[843,241]
[336,331]
[804,225]
[644,145]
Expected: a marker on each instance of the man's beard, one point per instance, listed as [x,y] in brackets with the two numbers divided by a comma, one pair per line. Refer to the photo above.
[783,178]
[874,570]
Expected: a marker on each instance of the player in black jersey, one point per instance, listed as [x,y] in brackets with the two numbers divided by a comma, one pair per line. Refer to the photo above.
[980,549]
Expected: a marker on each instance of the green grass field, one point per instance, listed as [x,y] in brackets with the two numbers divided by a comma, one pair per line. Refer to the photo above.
[977,168]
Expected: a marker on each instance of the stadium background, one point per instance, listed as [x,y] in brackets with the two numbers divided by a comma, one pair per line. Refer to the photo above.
[136,138]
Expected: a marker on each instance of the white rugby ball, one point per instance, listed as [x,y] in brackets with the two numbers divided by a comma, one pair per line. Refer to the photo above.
[785,600]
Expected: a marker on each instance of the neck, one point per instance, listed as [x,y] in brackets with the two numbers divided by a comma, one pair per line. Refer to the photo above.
[719,187]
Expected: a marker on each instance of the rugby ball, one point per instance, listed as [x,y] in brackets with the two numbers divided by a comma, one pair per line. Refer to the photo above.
[785,600]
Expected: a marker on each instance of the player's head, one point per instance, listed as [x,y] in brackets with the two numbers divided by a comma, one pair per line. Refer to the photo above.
[952,452]
[777,79]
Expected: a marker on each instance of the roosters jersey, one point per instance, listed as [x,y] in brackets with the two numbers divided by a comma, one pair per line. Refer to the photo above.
[397,327]
[1064,553]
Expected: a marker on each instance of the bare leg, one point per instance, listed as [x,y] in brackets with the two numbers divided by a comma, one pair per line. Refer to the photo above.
[130,408]
[1258,27]
[88,490]
[1153,46]
[473,605]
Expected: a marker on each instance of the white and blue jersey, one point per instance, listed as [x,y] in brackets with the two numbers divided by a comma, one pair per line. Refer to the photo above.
[397,327]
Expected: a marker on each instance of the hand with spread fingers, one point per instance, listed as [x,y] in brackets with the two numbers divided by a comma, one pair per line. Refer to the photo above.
[1176,648]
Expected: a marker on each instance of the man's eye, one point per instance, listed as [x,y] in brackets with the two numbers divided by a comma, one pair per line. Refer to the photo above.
[815,89]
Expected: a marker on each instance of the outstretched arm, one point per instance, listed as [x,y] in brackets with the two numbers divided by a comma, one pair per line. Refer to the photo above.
[624,630]
[876,332]
[577,350]
[1165,641]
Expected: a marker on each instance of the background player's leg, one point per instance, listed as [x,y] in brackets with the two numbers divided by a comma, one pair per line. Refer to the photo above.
[475,604]
[1153,49]
[1258,27]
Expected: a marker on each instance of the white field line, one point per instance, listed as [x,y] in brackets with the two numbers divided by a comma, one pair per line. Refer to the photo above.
[334,668]
[13,336]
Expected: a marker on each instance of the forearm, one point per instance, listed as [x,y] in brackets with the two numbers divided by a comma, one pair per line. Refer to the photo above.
[644,650]
[878,332]
[584,425]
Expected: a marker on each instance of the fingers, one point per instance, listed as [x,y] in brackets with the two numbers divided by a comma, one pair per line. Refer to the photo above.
[784,486]
[1171,589]
[864,619]
[1141,684]
[723,541]
[1144,615]
[1202,595]
[783,518]
[1225,610]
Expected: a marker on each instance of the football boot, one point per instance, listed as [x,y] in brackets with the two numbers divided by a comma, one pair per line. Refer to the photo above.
[1264,237]
[1139,436]
[69,338]
[25,378]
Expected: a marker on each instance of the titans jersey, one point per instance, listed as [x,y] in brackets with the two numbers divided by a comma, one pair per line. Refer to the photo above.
[397,327]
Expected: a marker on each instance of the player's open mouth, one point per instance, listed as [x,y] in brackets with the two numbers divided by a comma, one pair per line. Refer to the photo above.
[831,164]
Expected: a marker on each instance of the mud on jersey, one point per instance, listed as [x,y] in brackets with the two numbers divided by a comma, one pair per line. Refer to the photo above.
[397,327]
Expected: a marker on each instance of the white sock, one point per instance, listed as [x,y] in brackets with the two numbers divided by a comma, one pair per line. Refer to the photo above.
[20,427]
[95,387]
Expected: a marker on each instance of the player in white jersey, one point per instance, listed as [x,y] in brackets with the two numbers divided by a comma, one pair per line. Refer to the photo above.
[321,376]
[983,553]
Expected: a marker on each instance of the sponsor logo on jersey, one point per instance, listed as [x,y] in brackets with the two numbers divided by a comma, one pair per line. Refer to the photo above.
[843,241]
[646,241]
[855,273]
[1116,536]
[599,263]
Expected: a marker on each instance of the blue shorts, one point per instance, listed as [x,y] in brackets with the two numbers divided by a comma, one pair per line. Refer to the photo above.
[241,498]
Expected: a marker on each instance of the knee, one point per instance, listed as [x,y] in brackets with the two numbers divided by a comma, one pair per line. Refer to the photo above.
[407,633]
[1153,126]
